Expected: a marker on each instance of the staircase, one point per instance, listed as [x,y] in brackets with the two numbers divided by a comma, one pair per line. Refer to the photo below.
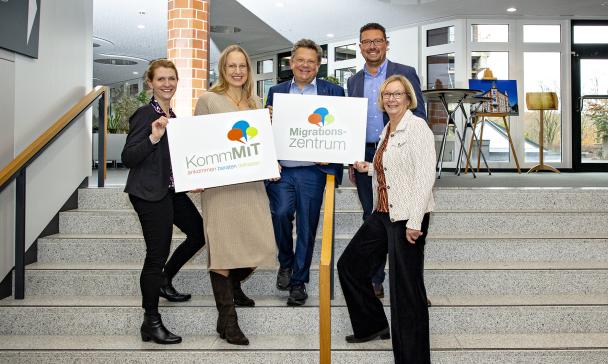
[515,276]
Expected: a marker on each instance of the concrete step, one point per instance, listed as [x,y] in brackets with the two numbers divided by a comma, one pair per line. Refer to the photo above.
[446,199]
[313,301]
[131,248]
[482,278]
[116,199]
[474,224]
[445,349]
[121,320]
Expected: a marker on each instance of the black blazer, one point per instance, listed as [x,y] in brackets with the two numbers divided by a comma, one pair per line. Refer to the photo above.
[323,88]
[150,164]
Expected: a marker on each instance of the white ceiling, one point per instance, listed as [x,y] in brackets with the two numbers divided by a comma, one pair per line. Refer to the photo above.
[271,25]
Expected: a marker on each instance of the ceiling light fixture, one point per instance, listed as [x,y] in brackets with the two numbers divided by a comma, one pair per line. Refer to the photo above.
[124,57]
[279,5]
[330,35]
[141,26]
[512,10]
[135,72]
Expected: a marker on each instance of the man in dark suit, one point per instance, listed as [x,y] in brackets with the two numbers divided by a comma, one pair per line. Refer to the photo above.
[300,188]
[366,83]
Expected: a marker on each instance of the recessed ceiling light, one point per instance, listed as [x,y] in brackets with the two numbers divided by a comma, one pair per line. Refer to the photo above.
[141,26]
[135,72]
[279,5]
[330,35]
[512,10]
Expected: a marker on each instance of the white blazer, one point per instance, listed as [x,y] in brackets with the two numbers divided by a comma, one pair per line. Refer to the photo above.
[409,168]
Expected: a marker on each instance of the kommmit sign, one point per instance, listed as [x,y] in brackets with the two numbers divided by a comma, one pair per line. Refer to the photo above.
[319,128]
[221,149]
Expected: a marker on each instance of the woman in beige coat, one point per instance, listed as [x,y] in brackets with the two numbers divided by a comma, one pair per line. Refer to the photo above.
[238,225]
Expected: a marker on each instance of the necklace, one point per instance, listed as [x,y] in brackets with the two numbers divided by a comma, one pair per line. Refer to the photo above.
[234,101]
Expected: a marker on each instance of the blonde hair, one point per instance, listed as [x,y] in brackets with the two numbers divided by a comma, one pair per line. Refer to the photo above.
[221,86]
[409,91]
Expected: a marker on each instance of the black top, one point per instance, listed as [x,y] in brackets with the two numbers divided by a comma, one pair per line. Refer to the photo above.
[150,164]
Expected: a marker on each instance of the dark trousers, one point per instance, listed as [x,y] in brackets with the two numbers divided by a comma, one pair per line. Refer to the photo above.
[366,197]
[409,312]
[157,219]
[299,192]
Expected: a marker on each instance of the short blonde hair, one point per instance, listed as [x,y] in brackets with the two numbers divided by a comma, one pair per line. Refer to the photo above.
[409,91]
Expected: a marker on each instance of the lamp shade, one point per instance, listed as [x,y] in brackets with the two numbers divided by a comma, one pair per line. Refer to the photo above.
[541,101]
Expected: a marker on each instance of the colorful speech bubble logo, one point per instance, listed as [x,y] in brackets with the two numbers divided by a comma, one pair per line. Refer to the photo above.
[321,117]
[241,130]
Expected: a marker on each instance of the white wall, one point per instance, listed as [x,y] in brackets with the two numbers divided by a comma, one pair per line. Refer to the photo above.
[7,138]
[44,89]
[403,47]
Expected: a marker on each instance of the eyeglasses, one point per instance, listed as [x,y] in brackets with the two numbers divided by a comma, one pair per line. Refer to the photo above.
[302,62]
[376,42]
[396,95]
[234,67]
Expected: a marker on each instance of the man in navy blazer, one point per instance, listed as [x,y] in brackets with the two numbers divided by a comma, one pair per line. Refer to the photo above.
[366,83]
[300,189]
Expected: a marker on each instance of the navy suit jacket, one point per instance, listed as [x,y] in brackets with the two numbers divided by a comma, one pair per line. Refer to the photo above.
[323,88]
[357,81]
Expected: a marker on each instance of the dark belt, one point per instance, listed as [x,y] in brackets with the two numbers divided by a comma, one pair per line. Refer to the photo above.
[371,145]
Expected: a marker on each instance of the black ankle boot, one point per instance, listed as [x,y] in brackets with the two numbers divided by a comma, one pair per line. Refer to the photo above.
[227,321]
[236,276]
[168,292]
[153,329]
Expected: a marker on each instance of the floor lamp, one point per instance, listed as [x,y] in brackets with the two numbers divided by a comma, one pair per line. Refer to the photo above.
[542,101]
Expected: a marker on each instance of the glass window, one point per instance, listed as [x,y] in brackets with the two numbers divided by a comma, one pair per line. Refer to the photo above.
[483,33]
[498,62]
[440,71]
[594,114]
[542,33]
[265,66]
[439,36]
[343,74]
[262,87]
[284,64]
[542,72]
[348,51]
[590,34]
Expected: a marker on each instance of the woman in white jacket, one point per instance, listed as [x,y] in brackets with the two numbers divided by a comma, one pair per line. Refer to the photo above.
[403,174]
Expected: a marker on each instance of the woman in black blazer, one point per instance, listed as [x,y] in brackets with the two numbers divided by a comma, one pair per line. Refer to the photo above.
[151,192]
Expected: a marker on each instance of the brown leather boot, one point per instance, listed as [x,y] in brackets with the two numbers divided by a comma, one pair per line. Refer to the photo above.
[237,275]
[227,322]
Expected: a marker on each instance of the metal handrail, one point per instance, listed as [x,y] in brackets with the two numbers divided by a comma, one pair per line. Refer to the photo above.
[326,271]
[16,169]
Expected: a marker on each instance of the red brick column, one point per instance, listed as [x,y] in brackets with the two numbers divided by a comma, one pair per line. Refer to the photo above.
[187,47]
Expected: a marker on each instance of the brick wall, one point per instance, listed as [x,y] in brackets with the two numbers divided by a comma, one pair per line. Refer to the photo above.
[187,47]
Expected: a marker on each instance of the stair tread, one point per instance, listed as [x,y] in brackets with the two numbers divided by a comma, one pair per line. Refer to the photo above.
[429,265]
[561,341]
[313,301]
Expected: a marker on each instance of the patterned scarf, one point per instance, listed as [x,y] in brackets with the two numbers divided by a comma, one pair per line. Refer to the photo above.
[159,111]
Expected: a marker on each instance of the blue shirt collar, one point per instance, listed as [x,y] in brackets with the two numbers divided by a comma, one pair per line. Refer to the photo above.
[312,83]
[381,69]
